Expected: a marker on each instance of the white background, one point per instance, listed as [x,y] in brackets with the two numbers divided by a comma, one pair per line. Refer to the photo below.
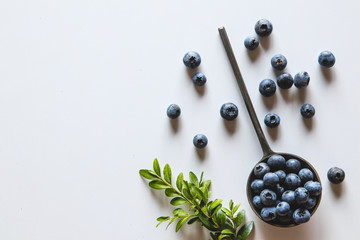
[84,87]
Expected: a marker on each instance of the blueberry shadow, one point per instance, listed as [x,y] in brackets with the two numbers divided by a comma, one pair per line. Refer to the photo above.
[230,126]
[337,189]
[308,123]
[200,90]
[192,72]
[327,74]
[277,72]
[253,55]
[273,133]
[175,124]
[269,102]
[201,153]
[286,95]
[302,94]
[265,42]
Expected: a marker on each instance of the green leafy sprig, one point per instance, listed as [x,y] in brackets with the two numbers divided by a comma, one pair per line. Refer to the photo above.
[223,223]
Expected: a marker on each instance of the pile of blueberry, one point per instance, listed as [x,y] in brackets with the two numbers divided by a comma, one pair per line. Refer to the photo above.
[267,87]
[283,191]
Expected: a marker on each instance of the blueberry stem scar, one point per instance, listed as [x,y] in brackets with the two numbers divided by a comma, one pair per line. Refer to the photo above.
[260,134]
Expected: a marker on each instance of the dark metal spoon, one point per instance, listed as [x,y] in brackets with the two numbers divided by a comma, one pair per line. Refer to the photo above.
[267,152]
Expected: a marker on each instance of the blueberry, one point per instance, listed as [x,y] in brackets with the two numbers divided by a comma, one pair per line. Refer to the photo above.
[192,59]
[199,79]
[283,208]
[278,62]
[281,174]
[270,179]
[326,59]
[313,187]
[261,169]
[263,28]
[276,162]
[268,213]
[292,181]
[272,120]
[173,111]
[267,87]
[279,189]
[285,81]
[251,42]
[288,196]
[257,186]
[257,202]
[287,218]
[200,141]
[305,175]
[311,203]
[336,175]
[301,215]
[307,110]
[293,165]
[301,195]
[268,197]
[301,79]
[229,111]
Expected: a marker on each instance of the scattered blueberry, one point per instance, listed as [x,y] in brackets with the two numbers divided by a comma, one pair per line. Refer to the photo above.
[278,62]
[272,120]
[307,110]
[263,28]
[293,165]
[326,59]
[257,186]
[305,175]
[268,213]
[270,179]
[336,175]
[199,79]
[283,208]
[301,215]
[281,174]
[313,187]
[267,87]
[288,196]
[229,111]
[285,81]
[251,42]
[257,202]
[268,197]
[311,203]
[173,111]
[192,59]
[261,169]
[301,195]
[301,79]
[276,162]
[200,141]
[292,181]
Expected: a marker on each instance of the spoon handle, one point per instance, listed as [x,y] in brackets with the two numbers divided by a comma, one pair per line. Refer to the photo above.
[264,144]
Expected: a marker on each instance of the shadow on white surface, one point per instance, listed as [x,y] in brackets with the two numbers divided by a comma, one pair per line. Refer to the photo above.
[337,189]
[265,42]
[309,123]
[269,102]
[201,153]
[175,124]
[273,133]
[230,126]
[328,74]
[254,54]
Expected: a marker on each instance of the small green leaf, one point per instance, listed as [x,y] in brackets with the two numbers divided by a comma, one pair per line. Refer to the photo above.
[170,192]
[235,208]
[186,190]
[245,230]
[171,221]
[213,236]
[194,219]
[201,177]
[215,203]
[156,167]
[156,184]
[179,212]
[195,191]
[206,184]
[148,174]
[220,218]
[177,201]
[227,212]
[206,222]
[215,210]
[227,232]
[179,181]
[163,218]
[231,205]
[193,179]
[238,237]
[167,173]
[206,195]
[181,223]
[239,218]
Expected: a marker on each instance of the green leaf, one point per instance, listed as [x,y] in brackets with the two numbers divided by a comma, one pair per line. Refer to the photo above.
[181,223]
[179,212]
[231,205]
[177,201]
[163,218]
[171,221]
[156,167]
[206,195]
[220,218]
[170,192]
[195,191]
[213,236]
[239,218]
[245,230]
[215,203]
[238,237]
[206,184]
[156,184]
[227,212]
[206,222]
[186,190]
[193,179]
[194,219]
[227,232]
[148,174]
[235,208]
[215,210]
[179,181]
[167,173]
[201,177]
